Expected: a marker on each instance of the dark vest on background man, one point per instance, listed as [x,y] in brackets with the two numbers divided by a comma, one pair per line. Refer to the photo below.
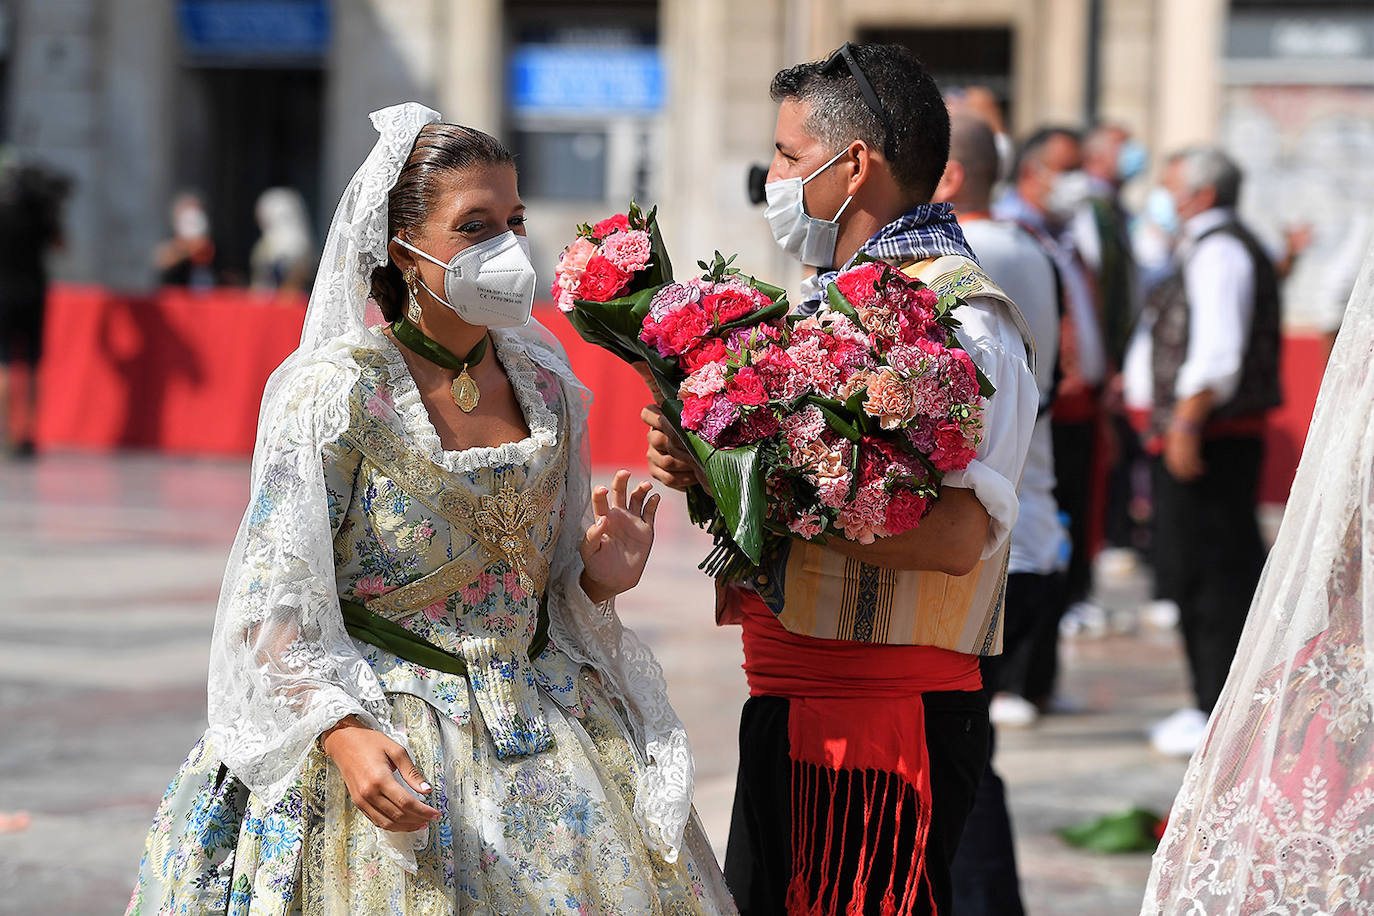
[1115,276]
[1258,391]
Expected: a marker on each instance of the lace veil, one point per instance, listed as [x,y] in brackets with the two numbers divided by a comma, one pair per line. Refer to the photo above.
[1276,813]
[282,666]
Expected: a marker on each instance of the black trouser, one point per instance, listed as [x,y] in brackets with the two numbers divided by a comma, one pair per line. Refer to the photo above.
[1075,451]
[758,859]
[1208,555]
[1124,485]
[984,871]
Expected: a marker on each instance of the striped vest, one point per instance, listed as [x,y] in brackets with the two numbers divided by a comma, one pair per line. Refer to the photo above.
[820,593]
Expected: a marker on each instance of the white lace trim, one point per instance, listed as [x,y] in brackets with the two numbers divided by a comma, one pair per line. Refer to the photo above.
[523,375]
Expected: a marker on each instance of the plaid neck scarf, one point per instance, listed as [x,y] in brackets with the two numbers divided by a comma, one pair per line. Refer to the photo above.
[925,231]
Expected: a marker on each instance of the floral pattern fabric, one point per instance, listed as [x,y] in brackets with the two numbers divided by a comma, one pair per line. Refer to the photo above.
[531,761]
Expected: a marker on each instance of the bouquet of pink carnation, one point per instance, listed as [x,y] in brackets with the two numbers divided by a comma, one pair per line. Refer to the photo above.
[844,423]
[611,267]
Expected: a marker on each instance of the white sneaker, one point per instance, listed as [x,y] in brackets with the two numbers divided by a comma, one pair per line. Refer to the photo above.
[1162,614]
[1011,711]
[1180,734]
[1084,617]
[1118,564]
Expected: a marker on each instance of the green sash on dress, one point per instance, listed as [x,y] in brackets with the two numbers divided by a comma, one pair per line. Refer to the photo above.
[376,630]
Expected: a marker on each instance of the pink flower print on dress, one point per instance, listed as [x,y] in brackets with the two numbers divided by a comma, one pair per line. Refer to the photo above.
[436,611]
[511,581]
[479,589]
[369,587]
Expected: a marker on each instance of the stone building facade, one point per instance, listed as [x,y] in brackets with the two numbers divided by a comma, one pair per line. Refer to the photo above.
[664,100]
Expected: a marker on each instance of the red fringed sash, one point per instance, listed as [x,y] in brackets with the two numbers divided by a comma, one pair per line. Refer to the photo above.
[843,727]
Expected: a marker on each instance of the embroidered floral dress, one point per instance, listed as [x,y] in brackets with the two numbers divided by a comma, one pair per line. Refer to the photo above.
[531,762]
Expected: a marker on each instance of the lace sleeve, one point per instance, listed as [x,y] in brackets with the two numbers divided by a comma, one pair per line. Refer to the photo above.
[282,667]
[592,634]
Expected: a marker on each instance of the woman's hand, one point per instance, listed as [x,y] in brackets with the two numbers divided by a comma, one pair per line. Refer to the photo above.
[617,545]
[368,761]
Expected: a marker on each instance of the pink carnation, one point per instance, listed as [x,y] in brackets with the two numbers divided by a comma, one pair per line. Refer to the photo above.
[807,526]
[802,426]
[620,222]
[568,274]
[953,450]
[815,364]
[709,379]
[889,398]
[863,518]
[694,410]
[628,251]
[746,388]
[672,297]
[720,417]
[833,491]
[905,510]
[602,280]
[860,284]
[961,375]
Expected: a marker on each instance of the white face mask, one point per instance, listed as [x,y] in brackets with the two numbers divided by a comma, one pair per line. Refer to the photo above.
[800,235]
[1069,191]
[490,284]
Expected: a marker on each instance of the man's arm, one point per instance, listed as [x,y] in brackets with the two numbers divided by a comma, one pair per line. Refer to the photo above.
[949,540]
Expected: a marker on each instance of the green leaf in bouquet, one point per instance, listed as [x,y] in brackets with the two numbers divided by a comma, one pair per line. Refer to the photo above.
[838,417]
[765,314]
[660,270]
[838,303]
[592,329]
[738,488]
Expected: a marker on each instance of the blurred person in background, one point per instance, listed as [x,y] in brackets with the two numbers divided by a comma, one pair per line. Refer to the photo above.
[188,257]
[283,258]
[1202,373]
[31,199]
[831,814]
[985,876]
[1049,189]
[1101,232]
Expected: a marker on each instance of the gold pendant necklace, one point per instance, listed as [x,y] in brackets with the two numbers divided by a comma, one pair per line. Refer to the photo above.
[464,389]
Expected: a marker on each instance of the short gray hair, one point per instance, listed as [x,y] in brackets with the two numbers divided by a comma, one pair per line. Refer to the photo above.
[1208,167]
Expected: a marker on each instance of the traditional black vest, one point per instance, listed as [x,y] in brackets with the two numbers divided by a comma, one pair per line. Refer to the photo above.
[1115,277]
[1259,389]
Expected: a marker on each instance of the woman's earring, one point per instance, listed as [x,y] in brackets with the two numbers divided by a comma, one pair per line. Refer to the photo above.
[413,311]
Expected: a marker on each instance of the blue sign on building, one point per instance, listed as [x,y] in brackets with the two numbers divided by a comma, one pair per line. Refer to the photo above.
[581,80]
[254,28]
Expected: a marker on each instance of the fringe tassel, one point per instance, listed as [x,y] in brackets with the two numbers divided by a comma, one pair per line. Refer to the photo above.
[818,855]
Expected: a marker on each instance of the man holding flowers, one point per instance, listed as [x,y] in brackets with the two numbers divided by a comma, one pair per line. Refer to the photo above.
[865,734]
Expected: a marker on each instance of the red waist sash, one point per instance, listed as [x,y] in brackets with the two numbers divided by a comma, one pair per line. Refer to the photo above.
[853,707]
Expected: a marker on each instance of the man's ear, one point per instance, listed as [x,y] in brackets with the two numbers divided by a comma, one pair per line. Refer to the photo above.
[950,183]
[860,161]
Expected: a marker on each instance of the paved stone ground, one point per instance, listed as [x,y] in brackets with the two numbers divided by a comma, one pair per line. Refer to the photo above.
[111,570]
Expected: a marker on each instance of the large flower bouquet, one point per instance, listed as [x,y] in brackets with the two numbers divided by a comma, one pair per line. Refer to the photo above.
[841,424]
[608,274]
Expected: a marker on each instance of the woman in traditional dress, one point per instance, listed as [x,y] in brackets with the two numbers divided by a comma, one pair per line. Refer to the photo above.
[1276,812]
[420,698]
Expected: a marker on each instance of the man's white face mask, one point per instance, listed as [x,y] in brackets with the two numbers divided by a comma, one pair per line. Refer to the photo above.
[490,284]
[801,235]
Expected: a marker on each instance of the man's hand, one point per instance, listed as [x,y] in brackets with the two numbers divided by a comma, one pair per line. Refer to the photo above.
[369,762]
[1183,454]
[669,462]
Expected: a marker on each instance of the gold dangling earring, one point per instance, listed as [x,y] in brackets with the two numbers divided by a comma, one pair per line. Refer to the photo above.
[413,310]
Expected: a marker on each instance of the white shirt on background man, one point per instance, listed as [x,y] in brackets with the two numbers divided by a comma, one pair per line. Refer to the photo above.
[1219,281]
[1019,265]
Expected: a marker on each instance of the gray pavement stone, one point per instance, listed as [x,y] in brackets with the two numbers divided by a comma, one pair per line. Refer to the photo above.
[111,568]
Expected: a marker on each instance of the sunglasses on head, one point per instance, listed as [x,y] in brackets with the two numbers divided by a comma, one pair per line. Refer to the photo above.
[844,58]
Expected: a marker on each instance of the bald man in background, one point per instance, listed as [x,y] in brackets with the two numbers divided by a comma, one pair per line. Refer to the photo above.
[985,879]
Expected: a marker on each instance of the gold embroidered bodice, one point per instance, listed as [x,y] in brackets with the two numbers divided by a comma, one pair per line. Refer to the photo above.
[458,555]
